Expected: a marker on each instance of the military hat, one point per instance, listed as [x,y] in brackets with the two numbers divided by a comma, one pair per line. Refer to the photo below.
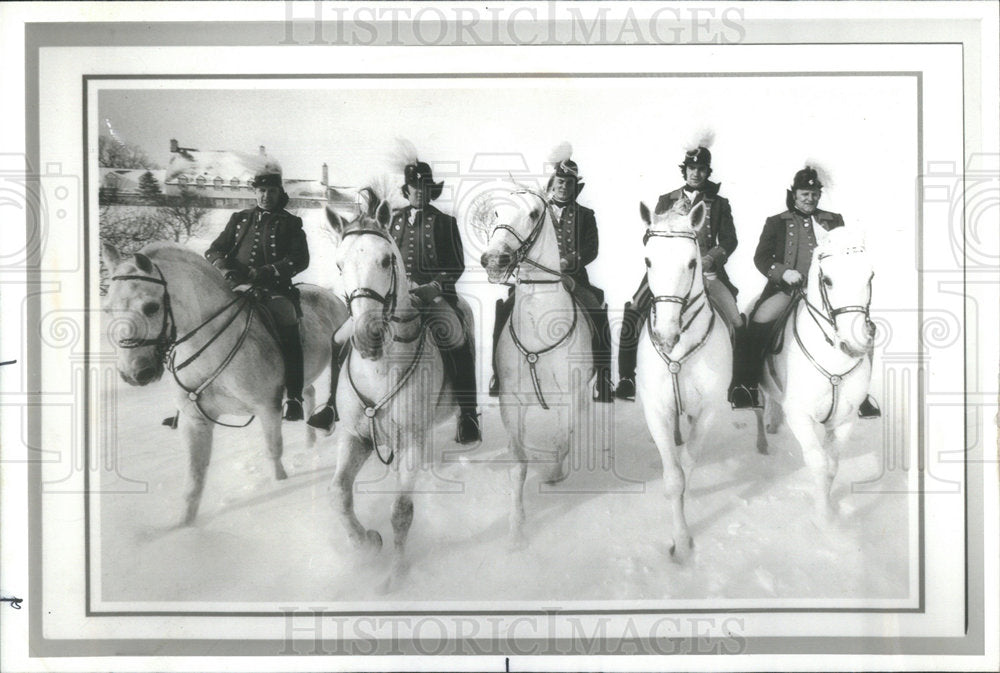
[419,175]
[699,156]
[567,168]
[267,178]
[806,179]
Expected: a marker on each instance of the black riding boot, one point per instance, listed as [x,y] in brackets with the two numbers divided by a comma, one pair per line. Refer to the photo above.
[327,416]
[291,353]
[628,345]
[503,309]
[464,383]
[748,364]
[604,389]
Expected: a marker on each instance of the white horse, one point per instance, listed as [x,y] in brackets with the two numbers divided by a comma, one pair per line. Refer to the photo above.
[393,391]
[822,374]
[544,360]
[170,309]
[685,356]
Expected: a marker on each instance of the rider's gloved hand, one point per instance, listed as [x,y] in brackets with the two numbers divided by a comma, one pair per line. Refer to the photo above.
[427,292]
[792,277]
[707,263]
[234,277]
[261,275]
[563,263]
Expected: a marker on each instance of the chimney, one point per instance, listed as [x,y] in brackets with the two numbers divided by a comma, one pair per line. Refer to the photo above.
[326,176]
[173,145]
[262,152]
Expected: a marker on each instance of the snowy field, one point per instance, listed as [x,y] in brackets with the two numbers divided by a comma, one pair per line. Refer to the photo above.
[601,534]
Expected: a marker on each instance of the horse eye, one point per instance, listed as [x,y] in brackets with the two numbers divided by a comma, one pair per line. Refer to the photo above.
[150,308]
[827,282]
[534,214]
[385,262]
[648,264]
[691,264]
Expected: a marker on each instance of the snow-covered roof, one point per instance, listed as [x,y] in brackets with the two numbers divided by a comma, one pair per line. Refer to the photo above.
[212,164]
[128,178]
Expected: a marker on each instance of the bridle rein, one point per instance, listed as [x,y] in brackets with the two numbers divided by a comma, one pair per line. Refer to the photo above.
[166,342]
[686,303]
[828,315]
[521,257]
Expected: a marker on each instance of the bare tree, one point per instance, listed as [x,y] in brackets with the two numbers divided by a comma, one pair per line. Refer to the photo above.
[113,153]
[183,214]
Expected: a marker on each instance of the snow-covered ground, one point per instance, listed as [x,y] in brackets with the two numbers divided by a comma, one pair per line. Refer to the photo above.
[601,534]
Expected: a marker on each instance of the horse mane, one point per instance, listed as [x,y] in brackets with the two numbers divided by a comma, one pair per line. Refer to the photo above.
[166,251]
[673,221]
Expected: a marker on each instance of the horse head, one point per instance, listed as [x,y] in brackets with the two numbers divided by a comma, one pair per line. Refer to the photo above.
[673,266]
[513,220]
[840,285]
[139,304]
[372,274]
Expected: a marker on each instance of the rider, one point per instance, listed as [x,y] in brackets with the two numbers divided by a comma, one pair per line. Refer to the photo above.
[716,241]
[576,233]
[266,246]
[784,255]
[431,249]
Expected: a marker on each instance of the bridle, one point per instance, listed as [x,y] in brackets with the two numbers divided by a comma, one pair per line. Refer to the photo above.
[166,342]
[526,244]
[827,315]
[686,302]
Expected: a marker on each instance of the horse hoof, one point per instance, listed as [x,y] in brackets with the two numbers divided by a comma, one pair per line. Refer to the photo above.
[762,448]
[374,540]
[279,473]
[682,552]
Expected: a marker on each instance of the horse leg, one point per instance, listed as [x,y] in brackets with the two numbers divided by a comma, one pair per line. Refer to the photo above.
[775,415]
[835,441]
[518,473]
[351,455]
[197,433]
[402,518]
[816,459]
[309,398]
[761,437]
[673,487]
[270,420]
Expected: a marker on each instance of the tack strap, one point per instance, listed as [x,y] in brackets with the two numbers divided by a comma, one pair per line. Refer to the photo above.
[834,379]
[372,408]
[532,356]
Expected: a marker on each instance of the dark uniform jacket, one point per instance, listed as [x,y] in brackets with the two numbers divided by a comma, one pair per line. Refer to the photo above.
[431,247]
[282,246]
[717,237]
[576,233]
[779,246]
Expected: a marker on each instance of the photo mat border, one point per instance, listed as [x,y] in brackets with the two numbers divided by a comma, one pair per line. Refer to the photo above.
[36,35]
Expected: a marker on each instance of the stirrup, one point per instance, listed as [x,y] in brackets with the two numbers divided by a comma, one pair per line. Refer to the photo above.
[745,397]
[324,419]
[626,388]
[494,386]
[604,391]
[171,421]
[869,409]
[293,410]
[468,431]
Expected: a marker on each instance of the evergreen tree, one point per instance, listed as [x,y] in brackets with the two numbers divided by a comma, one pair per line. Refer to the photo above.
[149,187]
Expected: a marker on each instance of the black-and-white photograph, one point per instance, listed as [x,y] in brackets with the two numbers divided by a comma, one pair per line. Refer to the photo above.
[535,336]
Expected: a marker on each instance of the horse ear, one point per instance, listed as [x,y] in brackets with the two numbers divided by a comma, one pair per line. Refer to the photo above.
[112,258]
[144,263]
[384,214]
[697,215]
[336,221]
[644,213]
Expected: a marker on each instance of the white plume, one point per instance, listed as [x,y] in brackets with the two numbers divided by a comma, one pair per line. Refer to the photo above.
[560,153]
[703,139]
[825,178]
[403,154]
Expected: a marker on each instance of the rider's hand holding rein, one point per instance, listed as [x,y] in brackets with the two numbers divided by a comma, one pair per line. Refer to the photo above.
[426,293]
[792,278]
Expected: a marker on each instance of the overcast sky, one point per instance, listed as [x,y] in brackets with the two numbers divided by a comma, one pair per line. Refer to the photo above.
[628,136]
